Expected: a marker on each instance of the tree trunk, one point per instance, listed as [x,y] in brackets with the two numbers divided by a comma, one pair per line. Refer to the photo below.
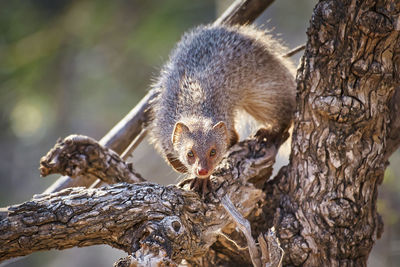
[327,212]
[323,204]
[347,124]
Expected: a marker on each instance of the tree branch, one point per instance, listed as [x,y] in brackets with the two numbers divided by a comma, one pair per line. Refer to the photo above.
[243,12]
[79,155]
[117,139]
[124,133]
[295,50]
[142,218]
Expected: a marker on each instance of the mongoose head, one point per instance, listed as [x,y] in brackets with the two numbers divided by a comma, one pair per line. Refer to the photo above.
[200,146]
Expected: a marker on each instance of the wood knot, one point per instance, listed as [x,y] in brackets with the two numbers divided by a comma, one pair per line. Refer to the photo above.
[339,212]
[176,225]
[328,11]
[360,67]
[375,23]
[172,226]
[342,109]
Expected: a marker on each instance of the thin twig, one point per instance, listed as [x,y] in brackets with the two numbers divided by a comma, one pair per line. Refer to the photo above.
[132,146]
[295,50]
[243,12]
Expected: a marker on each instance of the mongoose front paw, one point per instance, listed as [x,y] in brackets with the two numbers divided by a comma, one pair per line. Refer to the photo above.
[267,135]
[199,185]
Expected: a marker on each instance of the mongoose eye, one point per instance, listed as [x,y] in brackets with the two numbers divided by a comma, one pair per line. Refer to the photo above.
[213,152]
[190,154]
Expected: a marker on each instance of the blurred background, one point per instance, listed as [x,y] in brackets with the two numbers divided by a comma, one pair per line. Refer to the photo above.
[71,67]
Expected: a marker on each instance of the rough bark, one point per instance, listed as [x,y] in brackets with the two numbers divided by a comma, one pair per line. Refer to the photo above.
[162,224]
[117,139]
[323,204]
[393,137]
[81,156]
[347,124]
[345,121]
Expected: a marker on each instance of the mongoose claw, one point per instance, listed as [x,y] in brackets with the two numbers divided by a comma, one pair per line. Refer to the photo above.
[199,185]
[184,182]
[265,135]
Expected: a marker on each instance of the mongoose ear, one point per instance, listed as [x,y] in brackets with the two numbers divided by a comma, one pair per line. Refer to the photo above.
[176,163]
[234,138]
[179,128]
[221,128]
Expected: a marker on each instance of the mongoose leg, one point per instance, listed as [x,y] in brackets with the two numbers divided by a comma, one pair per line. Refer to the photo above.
[184,182]
[215,73]
[201,185]
[264,134]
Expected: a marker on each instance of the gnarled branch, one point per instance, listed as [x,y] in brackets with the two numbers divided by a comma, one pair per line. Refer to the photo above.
[141,219]
[79,155]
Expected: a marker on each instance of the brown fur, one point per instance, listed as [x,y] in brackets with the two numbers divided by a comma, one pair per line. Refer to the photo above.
[213,73]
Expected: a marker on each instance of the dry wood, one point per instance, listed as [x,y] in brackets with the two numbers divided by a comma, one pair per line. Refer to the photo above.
[79,155]
[147,260]
[323,204]
[272,253]
[393,138]
[245,227]
[243,12]
[118,139]
[295,50]
[145,219]
[345,121]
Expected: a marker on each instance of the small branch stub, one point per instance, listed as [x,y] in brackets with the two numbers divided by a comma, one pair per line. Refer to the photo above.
[79,155]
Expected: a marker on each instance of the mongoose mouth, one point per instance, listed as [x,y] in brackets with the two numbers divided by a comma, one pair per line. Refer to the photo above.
[203,173]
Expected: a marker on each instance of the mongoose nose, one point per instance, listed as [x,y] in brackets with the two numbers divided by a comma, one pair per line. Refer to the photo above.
[202,171]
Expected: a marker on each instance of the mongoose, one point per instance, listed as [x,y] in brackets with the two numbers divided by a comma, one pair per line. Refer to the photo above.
[213,73]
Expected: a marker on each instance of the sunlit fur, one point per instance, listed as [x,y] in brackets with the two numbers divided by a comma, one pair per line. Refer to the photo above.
[200,137]
[214,72]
